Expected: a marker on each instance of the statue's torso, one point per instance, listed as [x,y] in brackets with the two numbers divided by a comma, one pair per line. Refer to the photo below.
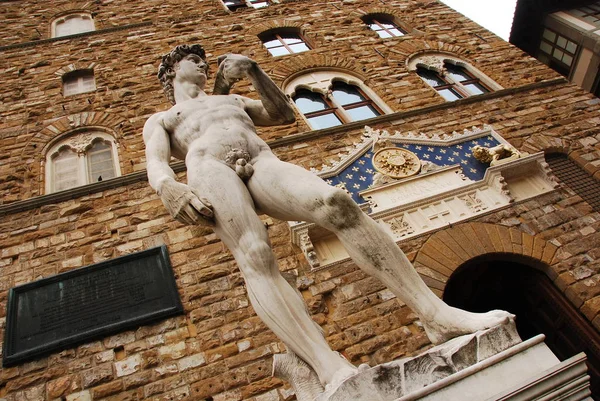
[211,125]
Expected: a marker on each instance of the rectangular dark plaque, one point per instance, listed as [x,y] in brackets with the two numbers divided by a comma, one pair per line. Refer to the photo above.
[88,303]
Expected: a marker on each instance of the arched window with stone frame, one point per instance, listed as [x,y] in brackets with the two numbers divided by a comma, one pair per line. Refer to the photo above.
[81,158]
[284,41]
[330,98]
[72,24]
[385,25]
[451,77]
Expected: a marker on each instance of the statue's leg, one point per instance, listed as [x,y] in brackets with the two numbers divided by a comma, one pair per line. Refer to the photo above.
[278,305]
[289,192]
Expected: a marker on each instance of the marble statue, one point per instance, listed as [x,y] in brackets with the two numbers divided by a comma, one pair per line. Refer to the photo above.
[232,174]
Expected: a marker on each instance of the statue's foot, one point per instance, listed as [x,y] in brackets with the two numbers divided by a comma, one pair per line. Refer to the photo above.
[455,322]
[340,376]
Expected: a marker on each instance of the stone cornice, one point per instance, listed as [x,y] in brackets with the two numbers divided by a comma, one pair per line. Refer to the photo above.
[38,201]
[303,136]
[78,35]
[62,196]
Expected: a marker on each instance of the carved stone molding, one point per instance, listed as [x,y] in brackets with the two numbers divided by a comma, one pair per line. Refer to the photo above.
[309,250]
[425,203]
[474,203]
[435,63]
[400,226]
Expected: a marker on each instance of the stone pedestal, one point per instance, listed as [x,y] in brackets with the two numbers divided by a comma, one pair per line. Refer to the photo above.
[490,365]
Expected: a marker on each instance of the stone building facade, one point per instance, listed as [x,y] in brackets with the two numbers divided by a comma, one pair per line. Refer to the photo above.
[218,349]
[541,28]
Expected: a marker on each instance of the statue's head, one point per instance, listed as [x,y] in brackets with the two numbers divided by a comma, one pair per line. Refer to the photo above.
[166,69]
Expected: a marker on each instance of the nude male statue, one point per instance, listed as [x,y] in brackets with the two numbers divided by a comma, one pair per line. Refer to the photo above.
[232,173]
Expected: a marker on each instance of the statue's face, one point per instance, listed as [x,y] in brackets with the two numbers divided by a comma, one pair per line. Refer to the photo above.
[192,69]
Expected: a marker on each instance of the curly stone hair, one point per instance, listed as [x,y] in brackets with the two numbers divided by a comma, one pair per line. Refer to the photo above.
[166,71]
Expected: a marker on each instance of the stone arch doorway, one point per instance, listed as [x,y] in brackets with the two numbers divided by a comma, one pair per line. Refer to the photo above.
[514,283]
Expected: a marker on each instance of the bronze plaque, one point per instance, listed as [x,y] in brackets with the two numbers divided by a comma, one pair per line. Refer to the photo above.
[92,302]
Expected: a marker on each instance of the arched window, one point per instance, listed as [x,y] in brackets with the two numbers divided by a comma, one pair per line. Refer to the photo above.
[79,81]
[353,101]
[453,79]
[280,42]
[319,112]
[575,178]
[81,159]
[384,24]
[72,24]
[328,99]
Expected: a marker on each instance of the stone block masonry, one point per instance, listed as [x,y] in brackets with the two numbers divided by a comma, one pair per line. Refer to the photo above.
[219,349]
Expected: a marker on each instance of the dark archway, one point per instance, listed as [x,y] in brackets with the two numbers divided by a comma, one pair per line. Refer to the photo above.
[486,283]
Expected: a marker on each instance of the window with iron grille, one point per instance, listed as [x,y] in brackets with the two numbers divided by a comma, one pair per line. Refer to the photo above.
[577,179]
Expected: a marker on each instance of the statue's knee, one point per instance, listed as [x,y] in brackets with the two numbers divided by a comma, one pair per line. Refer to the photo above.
[342,211]
[259,258]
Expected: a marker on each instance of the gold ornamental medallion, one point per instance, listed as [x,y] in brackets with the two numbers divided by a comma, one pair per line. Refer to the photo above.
[396,162]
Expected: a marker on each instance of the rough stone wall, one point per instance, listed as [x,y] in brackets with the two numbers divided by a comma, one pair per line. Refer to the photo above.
[219,349]
[125,64]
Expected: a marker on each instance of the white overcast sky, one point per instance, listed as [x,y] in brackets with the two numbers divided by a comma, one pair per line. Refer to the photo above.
[495,15]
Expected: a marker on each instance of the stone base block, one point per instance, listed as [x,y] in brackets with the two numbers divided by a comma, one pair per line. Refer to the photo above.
[490,365]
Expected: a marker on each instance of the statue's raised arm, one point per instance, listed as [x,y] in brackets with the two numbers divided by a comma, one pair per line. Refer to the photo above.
[273,107]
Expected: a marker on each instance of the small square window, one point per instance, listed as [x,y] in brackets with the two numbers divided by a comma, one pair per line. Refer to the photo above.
[80,81]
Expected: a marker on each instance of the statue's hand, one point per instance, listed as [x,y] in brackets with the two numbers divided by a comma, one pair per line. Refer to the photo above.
[234,67]
[185,204]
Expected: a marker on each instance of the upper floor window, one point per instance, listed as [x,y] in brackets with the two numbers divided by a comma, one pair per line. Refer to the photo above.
[79,81]
[282,42]
[233,5]
[456,83]
[384,25]
[353,101]
[589,13]
[453,79]
[328,99]
[557,51]
[81,159]
[319,111]
[72,24]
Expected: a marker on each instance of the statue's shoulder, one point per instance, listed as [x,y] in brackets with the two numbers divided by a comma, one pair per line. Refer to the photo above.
[155,118]
[155,121]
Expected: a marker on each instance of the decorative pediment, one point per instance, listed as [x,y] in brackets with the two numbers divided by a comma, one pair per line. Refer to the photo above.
[357,171]
[450,186]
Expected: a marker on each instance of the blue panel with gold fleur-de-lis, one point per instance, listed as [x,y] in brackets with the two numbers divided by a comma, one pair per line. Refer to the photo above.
[358,176]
